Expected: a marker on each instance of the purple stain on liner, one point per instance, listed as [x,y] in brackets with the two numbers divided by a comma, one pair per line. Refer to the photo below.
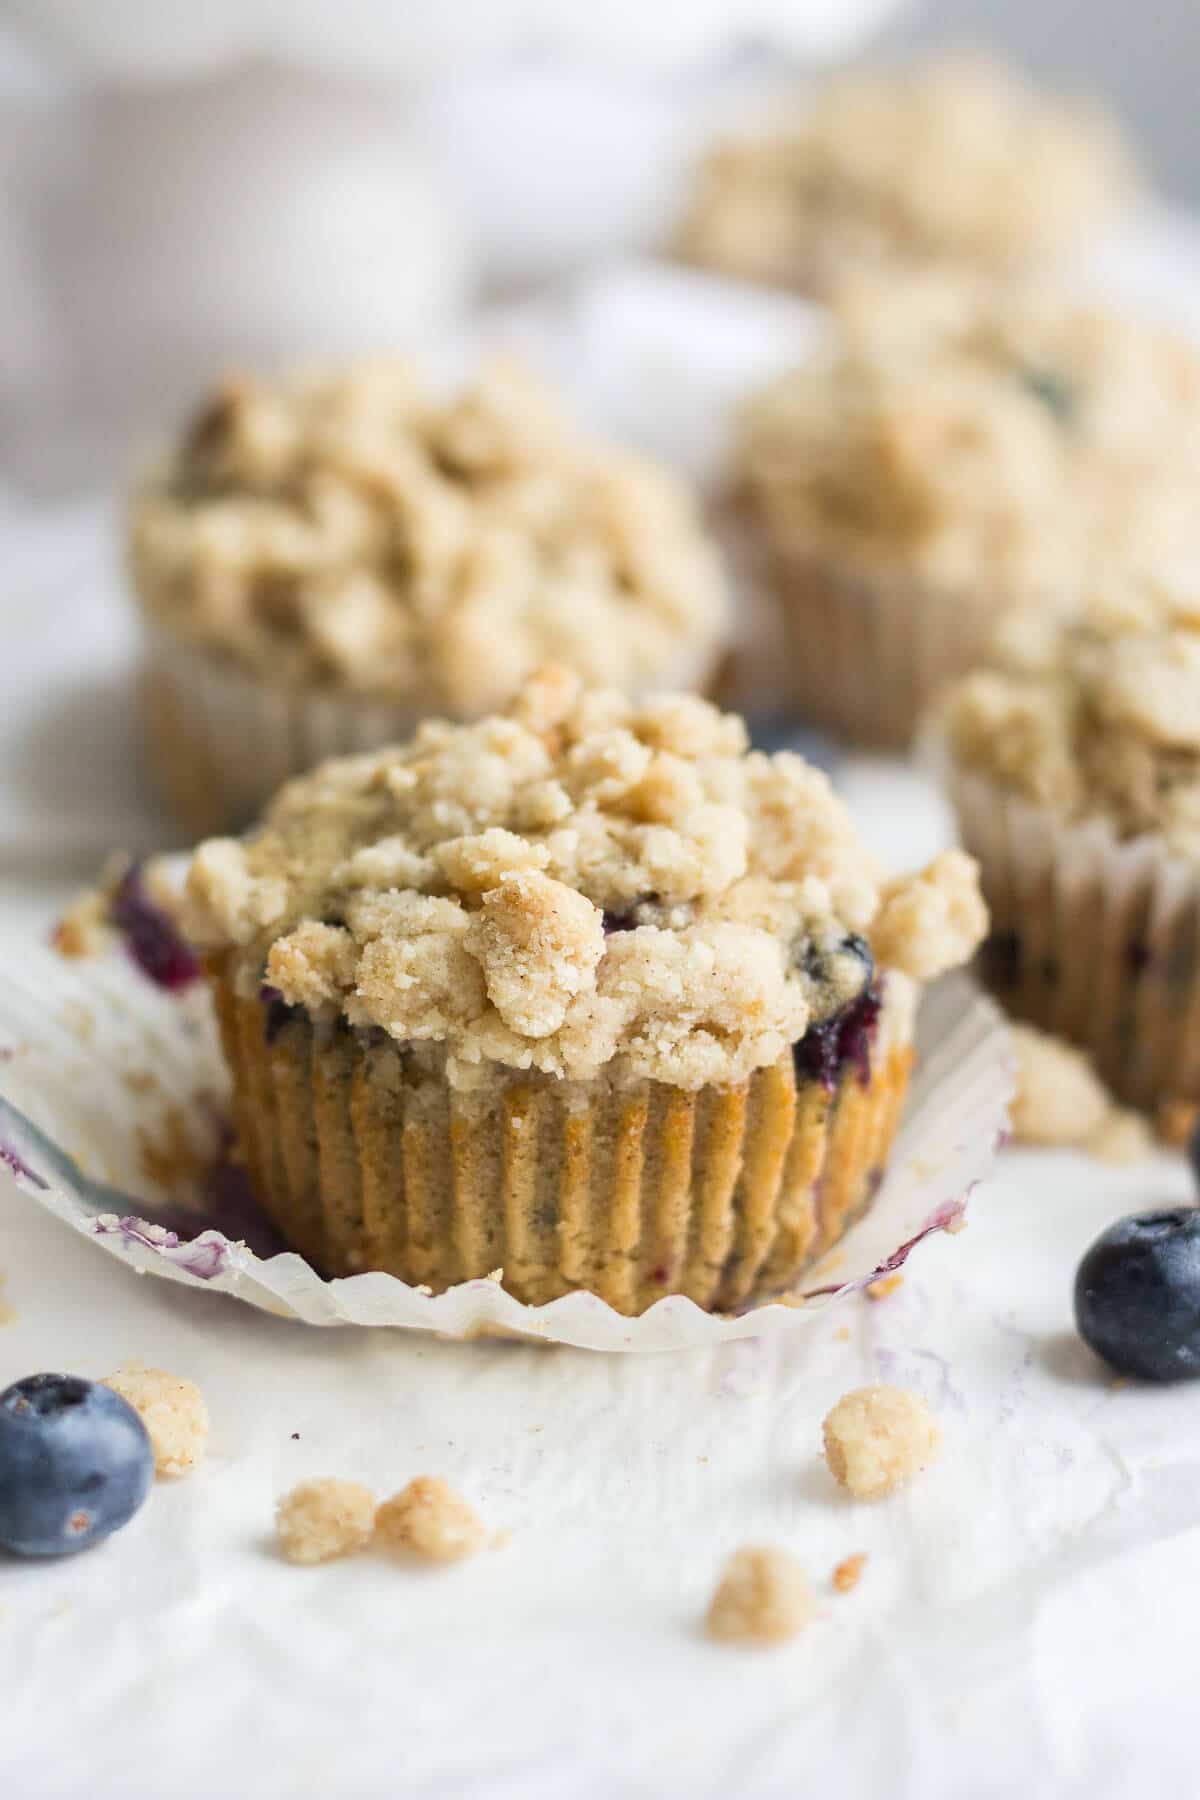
[943,1218]
[204,1256]
[11,1159]
[150,936]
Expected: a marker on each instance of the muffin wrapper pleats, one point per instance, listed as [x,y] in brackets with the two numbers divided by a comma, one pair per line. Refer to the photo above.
[1092,938]
[868,650]
[223,739]
[366,1159]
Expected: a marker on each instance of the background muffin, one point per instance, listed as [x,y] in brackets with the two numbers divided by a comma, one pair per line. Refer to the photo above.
[585,993]
[1074,765]
[328,557]
[956,162]
[956,451]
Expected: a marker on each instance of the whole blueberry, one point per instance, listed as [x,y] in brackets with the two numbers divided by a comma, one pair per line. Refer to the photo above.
[75,1464]
[1137,1295]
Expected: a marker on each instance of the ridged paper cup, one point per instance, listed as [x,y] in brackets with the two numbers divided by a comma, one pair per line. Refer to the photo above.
[869,649]
[1094,938]
[223,738]
[115,1115]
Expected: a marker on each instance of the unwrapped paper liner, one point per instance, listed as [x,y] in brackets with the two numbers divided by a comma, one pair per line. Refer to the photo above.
[113,1106]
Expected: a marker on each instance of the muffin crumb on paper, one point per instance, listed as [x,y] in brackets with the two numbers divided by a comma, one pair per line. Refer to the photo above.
[849,1572]
[877,1438]
[763,1597]
[431,1520]
[321,1520]
[172,1409]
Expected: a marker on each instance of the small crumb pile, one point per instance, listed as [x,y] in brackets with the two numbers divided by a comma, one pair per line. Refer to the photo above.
[1061,1100]
[319,1521]
[172,1409]
[429,1519]
[877,1438]
[763,1597]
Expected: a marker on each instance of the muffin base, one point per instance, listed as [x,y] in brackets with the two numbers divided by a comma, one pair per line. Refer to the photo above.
[869,650]
[1092,938]
[223,739]
[365,1158]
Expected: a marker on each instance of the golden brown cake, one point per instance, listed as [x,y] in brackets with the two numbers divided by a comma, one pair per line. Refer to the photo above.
[328,557]
[955,452]
[953,163]
[585,993]
[1074,765]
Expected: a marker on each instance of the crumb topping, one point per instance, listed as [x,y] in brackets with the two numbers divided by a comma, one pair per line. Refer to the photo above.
[583,881]
[321,1520]
[848,1573]
[1061,1100]
[1097,714]
[955,159]
[763,1597]
[877,1438]
[1010,439]
[346,528]
[172,1409]
[429,1519]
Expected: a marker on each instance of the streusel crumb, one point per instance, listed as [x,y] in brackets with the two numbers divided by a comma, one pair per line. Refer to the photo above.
[582,881]
[172,1409]
[763,1597]
[877,1438]
[429,1519]
[848,1572]
[885,1286]
[321,1520]
[1061,1100]
[345,528]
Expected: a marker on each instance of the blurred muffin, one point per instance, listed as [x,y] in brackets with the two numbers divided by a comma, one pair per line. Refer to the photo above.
[584,993]
[957,450]
[327,557]
[953,163]
[1074,766]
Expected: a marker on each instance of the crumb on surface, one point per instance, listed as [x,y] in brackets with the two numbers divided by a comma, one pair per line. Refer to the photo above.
[877,1438]
[848,1572]
[887,1284]
[432,1521]
[7,1312]
[172,1409]
[321,1520]
[842,1334]
[1060,1100]
[763,1597]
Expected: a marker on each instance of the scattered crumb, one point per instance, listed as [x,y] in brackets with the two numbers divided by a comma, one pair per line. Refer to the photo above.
[1060,1100]
[173,1411]
[1176,1122]
[763,1597]
[430,1519]
[877,1438]
[702,1459]
[842,1334]
[848,1573]
[500,1540]
[879,1290]
[321,1520]
[958,1223]
[7,1312]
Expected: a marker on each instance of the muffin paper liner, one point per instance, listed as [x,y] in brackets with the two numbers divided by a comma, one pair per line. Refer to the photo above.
[114,1116]
[1093,938]
[223,739]
[868,650]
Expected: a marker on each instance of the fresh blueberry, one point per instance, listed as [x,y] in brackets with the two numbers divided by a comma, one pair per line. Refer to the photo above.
[1137,1295]
[75,1464]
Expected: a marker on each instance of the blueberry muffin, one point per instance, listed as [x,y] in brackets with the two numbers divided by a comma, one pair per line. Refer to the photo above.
[327,557]
[956,451]
[585,993]
[953,163]
[1073,761]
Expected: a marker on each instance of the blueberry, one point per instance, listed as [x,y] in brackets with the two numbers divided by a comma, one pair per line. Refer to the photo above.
[75,1464]
[1137,1295]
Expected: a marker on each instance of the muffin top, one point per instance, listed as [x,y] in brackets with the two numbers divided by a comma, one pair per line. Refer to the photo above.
[346,528]
[1006,438]
[1094,716]
[581,883]
[954,161]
